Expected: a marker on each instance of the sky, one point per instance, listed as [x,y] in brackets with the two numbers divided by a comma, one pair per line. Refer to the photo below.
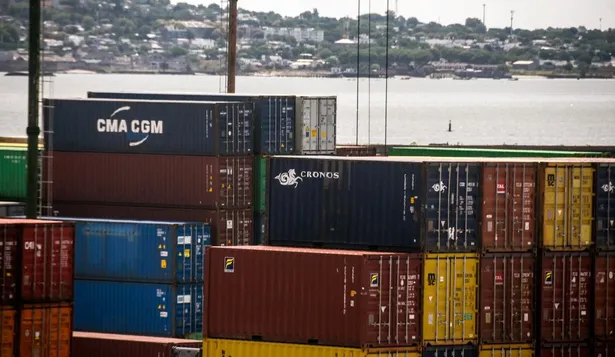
[529,14]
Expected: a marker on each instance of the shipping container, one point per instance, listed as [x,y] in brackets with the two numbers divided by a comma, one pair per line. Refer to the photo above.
[261,192]
[451,351]
[12,209]
[508,210]
[163,310]
[316,125]
[565,349]
[604,349]
[484,152]
[452,202]
[605,207]
[89,344]
[506,350]
[228,227]
[153,180]
[450,298]
[356,150]
[507,298]
[261,231]
[566,296]
[7,332]
[344,203]
[13,167]
[45,331]
[142,251]
[236,348]
[277,294]
[604,294]
[37,261]
[568,203]
[148,127]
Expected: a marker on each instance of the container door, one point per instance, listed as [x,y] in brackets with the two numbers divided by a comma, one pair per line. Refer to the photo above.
[276,127]
[46,331]
[260,183]
[605,207]
[7,332]
[327,125]
[605,296]
[452,191]
[13,174]
[189,311]
[506,351]
[9,242]
[308,120]
[191,243]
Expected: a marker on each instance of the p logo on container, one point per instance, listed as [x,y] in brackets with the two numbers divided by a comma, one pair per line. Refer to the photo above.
[229,264]
[549,278]
[373,280]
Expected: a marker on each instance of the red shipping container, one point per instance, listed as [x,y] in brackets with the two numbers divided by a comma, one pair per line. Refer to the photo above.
[229,227]
[87,344]
[326,297]
[566,296]
[565,350]
[509,204]
[604,293]
[604,349]
[159,180]
[36,261]
[507,298]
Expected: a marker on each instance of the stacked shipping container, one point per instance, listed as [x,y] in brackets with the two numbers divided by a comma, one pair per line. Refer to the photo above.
[36,287]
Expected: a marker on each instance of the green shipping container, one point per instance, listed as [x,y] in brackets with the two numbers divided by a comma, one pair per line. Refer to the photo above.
[260,183]
[472,152]
[13,166]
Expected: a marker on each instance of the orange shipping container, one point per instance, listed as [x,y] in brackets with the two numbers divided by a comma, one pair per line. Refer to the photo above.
[7,333]
[45,330]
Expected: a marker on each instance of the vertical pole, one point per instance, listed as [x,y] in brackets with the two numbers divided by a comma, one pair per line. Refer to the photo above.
[33,130]
[484,5]
[232,46]
[358,63]
[386,81]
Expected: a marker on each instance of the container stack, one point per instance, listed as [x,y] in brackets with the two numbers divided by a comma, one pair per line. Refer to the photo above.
[88,344]
[36,295]
[152,160]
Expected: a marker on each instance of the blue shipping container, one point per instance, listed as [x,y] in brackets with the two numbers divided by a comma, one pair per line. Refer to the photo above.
[451,351]
[274,115]
[344,203]
[605,207]
[453,195]
[149,127]
[162,310]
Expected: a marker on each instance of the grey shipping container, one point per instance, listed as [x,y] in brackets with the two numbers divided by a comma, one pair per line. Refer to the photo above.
[148,126]
[605,207]
[345,203]
[284,124]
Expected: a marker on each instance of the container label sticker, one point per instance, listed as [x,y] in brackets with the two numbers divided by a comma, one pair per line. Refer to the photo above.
[164,253]
[501,188]
[373,280]
[499,278]
[163,263]
[184,240]
[229,224]
[187,253]
[164,314]
[549,278]
[551,179]
[431,279]
[229,264]
[184,299]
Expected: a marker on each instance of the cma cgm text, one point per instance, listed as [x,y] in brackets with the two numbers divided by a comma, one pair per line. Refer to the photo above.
[136,126]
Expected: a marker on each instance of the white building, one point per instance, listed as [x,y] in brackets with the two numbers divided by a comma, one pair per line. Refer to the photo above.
[300,34]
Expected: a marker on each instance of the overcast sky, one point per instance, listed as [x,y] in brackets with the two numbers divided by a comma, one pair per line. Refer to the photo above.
[529,14]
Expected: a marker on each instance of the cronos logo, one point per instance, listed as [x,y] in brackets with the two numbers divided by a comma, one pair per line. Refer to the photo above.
[290,178]
[137,131]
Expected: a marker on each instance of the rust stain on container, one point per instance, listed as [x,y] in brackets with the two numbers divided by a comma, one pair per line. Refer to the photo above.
[566,350]
[7,332]
[157,180]
[323,297]
[566,303]
[87,344]
[508,211]
[45,331]
[604,293]
[507,298]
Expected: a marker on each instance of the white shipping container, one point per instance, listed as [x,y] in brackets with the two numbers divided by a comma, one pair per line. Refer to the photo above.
[316,125]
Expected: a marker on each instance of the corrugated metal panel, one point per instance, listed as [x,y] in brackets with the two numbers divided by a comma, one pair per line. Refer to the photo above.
[229,227]
[12,209]
[260,183]
[155,180]
[142,251]
[316,125]
[87,344]
[566,349]
[604,292]
[149,127]
[163,310]
[485,152]
[568,202]
[7,331]
[604,349]
[13,165]
[566,296]
[261,229]
[508,211]
[450,298]
[507,298]
[452,202]
[450,351]
[506,350]
[344,203]
[234,348]
[380,305]
[355,150]
[45,330]
[605,207]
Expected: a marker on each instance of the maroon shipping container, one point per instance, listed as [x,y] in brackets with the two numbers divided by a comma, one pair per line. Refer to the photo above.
[326,297]
[158,180]
[509,204]
[229,227]
[565,350]
[507,298]
[604,349]
[87,344]
[36,261]
[566,296]
[604,294]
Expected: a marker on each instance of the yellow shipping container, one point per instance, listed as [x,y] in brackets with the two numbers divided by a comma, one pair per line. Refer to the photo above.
[235,348]
[506,351]
[450,293]
[568,205]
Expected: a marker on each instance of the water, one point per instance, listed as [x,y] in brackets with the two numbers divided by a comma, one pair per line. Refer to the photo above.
[525,112]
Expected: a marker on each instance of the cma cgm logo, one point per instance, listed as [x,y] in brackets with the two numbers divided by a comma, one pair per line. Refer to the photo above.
[137,131]
[291,178]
